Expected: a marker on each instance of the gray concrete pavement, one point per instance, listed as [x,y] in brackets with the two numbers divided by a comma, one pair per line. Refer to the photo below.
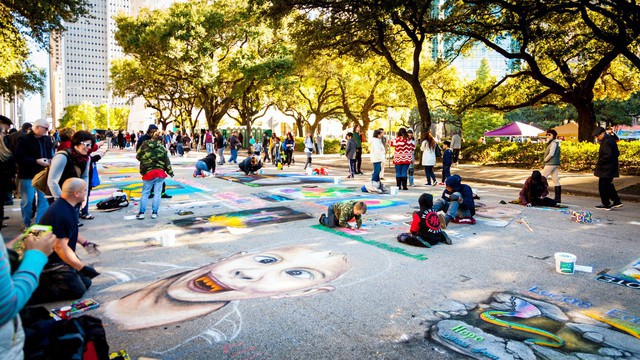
[392,301]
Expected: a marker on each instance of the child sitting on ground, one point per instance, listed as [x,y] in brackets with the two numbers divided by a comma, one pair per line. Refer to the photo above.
[250,165]
[205,166]
[447,161]
[425,227]
[339,214]
[457,202]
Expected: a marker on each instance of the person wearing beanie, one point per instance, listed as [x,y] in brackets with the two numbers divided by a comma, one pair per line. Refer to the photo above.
[457,202]
[607,169]
[425,228]
[535,191]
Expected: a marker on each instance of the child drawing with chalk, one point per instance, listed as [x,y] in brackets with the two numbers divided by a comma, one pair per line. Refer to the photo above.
[340,213]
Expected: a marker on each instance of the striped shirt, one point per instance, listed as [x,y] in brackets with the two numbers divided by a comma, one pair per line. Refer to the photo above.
[404,150]
[16,290]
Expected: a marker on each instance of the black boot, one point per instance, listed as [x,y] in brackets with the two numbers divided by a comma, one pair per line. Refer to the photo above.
[558,194]
[398,183]
[403,182]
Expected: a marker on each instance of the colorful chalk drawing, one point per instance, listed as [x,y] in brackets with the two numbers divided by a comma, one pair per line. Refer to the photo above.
[271,197]
[533,324]
[499,216]
[314,193]
[243,219]
[240,202]
[134,189]
[291,271]
[372,203]
[628,276]
[378,244]
[273,179]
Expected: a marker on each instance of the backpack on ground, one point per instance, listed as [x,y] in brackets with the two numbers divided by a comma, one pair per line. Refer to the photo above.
[116,201]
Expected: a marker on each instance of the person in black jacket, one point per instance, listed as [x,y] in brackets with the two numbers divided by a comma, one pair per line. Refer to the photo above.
[607,169]
[250,165]
[33,153]
[205,166]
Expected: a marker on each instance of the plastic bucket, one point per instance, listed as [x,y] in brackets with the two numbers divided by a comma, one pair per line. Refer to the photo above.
[336,180]
[565,262]
[167,238]
[393,190]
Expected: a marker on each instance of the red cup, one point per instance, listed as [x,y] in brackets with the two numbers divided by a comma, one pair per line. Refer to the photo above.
[65,312]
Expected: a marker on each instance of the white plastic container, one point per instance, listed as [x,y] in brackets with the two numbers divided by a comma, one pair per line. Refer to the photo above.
[393,190]
[167,238]
[336,180]
[565,262]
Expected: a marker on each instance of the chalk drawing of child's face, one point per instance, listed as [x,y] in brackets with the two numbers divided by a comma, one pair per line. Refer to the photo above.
[275,273]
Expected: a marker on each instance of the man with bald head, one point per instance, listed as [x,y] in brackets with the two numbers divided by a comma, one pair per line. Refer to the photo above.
[65,276]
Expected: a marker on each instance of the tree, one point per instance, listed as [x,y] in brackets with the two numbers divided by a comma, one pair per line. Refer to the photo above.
[558,66]
[79,117]
[386,28]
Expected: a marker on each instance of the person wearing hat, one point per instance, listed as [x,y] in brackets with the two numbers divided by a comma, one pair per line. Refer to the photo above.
[425,228]
[150,130]
[33,153]
[607,169]
[16,136]
[5,124]
[457,202]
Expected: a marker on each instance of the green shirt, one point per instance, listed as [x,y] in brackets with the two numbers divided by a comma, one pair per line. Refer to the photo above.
[343,211]
[358,139]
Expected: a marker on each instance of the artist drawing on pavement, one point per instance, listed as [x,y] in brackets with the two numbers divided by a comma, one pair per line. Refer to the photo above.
[276,273]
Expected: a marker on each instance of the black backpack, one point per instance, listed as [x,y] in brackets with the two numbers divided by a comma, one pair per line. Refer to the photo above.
[114,202]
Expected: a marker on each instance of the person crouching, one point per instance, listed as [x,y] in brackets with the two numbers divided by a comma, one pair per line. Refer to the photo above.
[250,165]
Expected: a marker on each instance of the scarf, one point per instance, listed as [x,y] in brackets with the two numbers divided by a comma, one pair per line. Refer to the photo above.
[79,160]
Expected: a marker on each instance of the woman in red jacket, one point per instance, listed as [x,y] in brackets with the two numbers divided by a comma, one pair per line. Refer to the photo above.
[402,157]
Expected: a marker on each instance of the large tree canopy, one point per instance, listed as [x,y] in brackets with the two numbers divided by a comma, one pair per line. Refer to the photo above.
[561,61]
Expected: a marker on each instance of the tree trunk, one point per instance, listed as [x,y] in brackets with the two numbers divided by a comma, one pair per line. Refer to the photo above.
[586,118]
[423,106]
[299,127]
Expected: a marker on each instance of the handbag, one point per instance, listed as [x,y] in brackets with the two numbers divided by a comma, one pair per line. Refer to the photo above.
[95,177]
[39,181]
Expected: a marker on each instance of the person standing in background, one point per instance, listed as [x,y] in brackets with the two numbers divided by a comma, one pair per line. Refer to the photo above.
[320,144]
[456,145]
[219,147]
[428,148]
[385,143]
[402,157]
[607,169]
[552,161]
[208,142]
[358,138]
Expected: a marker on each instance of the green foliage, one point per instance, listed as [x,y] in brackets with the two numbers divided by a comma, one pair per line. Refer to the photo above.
[581,156]
[86,116]
[332,146]
[476,122]
[543,117]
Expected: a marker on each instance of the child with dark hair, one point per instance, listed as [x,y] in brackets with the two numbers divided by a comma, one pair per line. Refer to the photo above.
[250,165]
[535,191]
[447,161]
[350,153]
[425,227]
[205,166]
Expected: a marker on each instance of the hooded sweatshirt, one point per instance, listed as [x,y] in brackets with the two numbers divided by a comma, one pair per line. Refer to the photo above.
[455,182]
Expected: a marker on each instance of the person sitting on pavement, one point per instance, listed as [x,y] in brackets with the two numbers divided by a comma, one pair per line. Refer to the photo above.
[425,228]
[535,191]
[340,213]
[205,166]
[65,276]
[250,165]
[457,202]
[16,288]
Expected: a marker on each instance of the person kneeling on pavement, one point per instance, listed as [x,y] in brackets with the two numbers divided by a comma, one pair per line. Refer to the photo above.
[65,276]
[339,214]
[205,166]
[535,191]
[250,165]
[425,227]
[457,202]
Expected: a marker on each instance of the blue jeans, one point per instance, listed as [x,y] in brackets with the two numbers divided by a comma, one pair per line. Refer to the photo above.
[234,156]
[209,147]
[377,166]
[452,208]
[221,156]
[27,192]
[401,170]
[446,172]
[430,174]
[352,167]
[330,219]
[201,167]
[157,194]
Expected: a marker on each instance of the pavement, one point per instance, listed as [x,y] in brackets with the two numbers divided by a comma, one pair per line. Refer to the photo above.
[575,183]
[237,267]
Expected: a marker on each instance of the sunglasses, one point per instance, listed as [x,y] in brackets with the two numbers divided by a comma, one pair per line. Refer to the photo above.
[87,144]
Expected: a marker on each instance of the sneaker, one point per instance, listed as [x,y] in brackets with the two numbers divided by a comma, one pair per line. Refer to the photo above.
[140,216]
[166,196]
[616,205]
[469,221]
[428,185]
[321,220]
[435,184]
[603,207]
[350,177]
[447,239]
[443,220]
[195,174]
[154,215]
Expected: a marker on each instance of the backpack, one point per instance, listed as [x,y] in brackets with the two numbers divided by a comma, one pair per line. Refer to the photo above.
[438,151]
[116,201]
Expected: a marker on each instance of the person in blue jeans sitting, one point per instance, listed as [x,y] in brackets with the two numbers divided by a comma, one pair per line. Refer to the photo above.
[457,202]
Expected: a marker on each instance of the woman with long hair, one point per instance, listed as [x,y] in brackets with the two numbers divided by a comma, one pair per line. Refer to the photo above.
[289,144]
[308,148]
[358,137]
[72,162]
[535,191]
[428,148]
[402,157]
[552,161]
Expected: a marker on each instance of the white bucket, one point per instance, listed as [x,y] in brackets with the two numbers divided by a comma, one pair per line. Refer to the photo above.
[167,238]
[309,171]
[565,262]
[336,180]
[393,190]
